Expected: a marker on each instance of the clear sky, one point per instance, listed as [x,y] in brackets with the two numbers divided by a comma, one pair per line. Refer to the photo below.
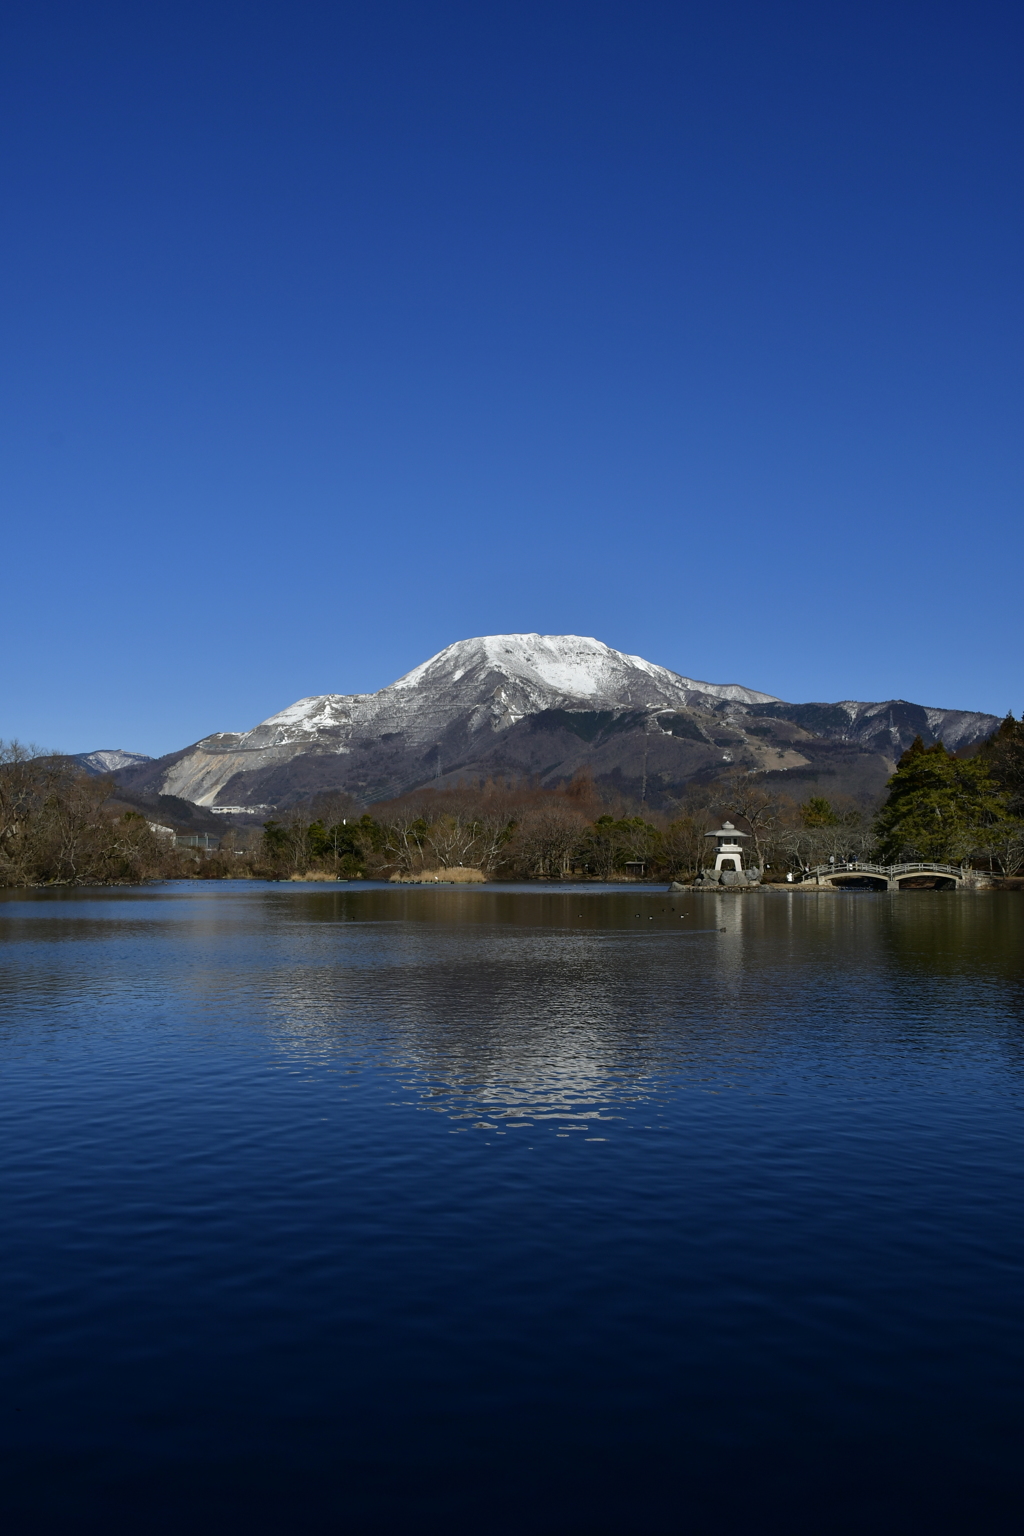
[337,332]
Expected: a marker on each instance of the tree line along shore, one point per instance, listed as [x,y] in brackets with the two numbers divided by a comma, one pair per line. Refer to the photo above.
[61,826]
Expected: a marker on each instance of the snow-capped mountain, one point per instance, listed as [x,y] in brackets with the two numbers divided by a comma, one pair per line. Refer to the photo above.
[497,679]
[560,669]
[545,706]
[109,759]
[474,688]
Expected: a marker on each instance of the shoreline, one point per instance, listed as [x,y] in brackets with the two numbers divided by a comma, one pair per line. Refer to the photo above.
[997,884]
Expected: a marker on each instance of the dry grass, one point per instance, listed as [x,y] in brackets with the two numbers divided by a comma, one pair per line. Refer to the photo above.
[459,875]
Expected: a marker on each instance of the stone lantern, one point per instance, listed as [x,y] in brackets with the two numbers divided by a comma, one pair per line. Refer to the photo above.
[729,853]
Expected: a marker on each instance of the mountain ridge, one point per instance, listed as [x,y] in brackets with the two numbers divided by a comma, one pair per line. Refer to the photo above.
[546,706]
[110,760]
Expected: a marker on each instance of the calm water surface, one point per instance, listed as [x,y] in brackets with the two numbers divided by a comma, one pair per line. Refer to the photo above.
[357,1209]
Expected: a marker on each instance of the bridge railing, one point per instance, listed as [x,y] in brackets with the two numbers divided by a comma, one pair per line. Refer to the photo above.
[956,870]
[889,871]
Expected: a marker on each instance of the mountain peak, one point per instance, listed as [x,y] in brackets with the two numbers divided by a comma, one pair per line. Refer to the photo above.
[571,666]
[547,707]
[110,759]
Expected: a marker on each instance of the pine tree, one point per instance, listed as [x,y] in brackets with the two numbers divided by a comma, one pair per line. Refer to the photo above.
[818,812]
[939,809]
[1003,756]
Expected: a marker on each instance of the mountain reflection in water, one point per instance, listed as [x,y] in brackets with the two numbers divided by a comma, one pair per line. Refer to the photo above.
[381,1209]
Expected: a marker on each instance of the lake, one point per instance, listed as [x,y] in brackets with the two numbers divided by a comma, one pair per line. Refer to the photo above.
[361,1209]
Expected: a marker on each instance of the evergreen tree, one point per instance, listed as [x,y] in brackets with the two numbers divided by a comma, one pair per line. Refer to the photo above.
[818,812]
[1003,756]
[940,808]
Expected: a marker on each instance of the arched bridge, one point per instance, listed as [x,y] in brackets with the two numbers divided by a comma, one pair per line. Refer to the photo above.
[887,877]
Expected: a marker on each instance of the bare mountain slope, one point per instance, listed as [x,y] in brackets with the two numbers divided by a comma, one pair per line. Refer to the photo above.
[545,705]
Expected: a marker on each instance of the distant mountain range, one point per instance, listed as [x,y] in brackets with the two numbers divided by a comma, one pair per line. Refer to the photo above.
[545,707]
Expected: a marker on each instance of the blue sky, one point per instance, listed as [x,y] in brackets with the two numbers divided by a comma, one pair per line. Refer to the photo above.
[334,333]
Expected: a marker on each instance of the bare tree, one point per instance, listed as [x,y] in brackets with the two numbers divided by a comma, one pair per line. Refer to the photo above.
[496,830]
[453,838]
[56,827]
[547,840]
[687,847]
[404,837]
[743,796]
[1004,846]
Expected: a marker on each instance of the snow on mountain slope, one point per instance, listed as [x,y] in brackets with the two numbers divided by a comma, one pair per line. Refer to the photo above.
[571,666]
[505,676]
[109,759]
[545,707]
[482,685]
